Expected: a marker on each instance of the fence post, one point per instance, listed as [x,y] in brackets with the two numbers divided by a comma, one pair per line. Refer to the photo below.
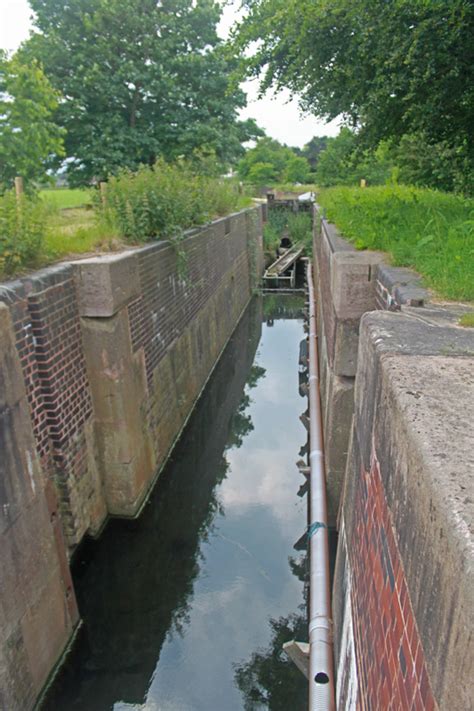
[18,187]
[103,193]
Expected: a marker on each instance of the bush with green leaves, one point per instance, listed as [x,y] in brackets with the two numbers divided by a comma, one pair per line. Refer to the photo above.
[22,231]
[163,200]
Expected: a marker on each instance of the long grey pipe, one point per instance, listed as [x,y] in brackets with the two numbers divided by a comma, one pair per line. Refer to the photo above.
[321,663]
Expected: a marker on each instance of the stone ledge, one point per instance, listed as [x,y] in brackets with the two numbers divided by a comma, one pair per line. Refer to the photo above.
[106,283]
[414,412]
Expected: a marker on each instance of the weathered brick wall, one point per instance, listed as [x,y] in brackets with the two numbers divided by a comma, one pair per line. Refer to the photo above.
[37,605]
[345,284]
[112,353]
[45,316]
[395,429]
[404,588]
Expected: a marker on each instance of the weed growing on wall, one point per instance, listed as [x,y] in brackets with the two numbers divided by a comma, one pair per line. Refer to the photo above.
[428,230]
[22,230]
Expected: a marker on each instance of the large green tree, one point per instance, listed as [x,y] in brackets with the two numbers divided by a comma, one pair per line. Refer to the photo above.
[140,79]
[270,161]
[389,67]
[28,134]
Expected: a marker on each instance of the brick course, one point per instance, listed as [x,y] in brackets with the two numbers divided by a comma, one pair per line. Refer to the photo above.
[390,660]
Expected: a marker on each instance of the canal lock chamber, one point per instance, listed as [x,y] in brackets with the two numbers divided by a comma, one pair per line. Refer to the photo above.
[188,606]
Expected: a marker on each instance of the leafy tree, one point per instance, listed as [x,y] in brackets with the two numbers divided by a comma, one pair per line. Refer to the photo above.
[313,149]
[28,134]
[390,68]
[296,170]
[270,161]
[141,80]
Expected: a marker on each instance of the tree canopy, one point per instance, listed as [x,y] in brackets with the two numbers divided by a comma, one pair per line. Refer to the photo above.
[390,68]
[28,134]
[139,80]
[270,161]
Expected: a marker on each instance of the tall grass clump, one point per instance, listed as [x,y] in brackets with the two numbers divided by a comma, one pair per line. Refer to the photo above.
[282,222]
[427,230]
[163,200]
[22,230]
[299,229]
[274,229]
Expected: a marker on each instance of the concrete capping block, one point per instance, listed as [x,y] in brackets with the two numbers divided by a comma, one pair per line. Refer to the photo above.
[353,279]
[106,283]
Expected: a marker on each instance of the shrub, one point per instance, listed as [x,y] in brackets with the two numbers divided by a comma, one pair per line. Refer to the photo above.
[163,200]
[22,230]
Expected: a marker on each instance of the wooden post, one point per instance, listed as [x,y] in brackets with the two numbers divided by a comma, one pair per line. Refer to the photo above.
[18,187]
[103,193]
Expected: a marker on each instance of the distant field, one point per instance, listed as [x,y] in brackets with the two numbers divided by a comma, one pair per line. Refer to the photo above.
[67,197]
[430,231]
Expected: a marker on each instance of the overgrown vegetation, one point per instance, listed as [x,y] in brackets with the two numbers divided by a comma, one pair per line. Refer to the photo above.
[390,69]
[271,162]
[22,231]
[281,222]
[164,200]
[430,231]
[158,202]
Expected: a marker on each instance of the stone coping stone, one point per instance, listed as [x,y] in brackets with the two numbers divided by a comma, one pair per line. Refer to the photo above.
[410,333]
[404,284]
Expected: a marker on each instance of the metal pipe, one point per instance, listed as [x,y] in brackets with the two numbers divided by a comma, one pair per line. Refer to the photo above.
[321,662]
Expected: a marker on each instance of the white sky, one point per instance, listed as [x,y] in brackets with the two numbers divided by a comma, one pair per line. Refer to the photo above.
[279,116]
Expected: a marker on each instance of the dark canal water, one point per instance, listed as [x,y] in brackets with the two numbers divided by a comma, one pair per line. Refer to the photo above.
[186,608]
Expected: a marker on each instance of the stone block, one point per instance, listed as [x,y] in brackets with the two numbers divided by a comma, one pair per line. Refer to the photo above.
[414,407]
[106,283]
[338,420]
[118,387]
[353,276]
[345,347]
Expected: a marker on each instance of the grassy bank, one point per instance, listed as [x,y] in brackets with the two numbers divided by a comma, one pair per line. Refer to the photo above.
[429,231]
[66,198]
[158,203]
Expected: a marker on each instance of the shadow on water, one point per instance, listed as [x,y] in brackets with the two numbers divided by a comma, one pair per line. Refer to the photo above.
[165,598]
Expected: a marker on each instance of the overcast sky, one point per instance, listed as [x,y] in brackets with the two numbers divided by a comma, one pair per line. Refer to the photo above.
[279,117]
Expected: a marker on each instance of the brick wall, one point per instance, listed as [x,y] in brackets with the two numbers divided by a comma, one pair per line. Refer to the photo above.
[403,596]
[46,322]
[112,352]
[51,320]
[390,660]
[395,424]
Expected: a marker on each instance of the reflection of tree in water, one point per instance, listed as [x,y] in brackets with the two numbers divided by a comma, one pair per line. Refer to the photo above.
[241,424]
[285,306]
[269,679]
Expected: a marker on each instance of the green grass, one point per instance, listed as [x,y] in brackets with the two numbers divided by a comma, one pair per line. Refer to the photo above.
[467,320]
[77,231]
[63,198]
[427,230]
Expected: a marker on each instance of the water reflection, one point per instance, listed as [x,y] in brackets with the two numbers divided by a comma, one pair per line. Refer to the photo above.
[176,601]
